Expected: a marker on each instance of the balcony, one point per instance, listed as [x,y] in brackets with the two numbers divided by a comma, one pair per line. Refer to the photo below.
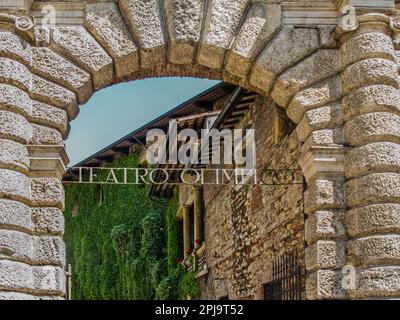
[197,261]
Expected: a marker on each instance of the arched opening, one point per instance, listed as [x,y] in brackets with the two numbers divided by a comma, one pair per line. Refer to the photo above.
[129,227]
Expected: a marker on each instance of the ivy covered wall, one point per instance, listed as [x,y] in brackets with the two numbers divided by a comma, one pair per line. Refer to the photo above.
[125,245]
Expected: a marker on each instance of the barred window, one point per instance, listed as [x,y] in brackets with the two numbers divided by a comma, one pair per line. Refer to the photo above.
[287,279]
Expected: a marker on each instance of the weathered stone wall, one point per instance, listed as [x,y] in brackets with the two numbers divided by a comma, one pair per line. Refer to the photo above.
[247,227]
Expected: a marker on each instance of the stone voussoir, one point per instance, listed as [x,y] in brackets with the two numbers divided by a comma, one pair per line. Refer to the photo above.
[47,115]
[262,22]
[79,46]
[15,73]
[145,20]
[55,68]
[317,95]
[13,47]
[328,116]
[51,93]
[106,24]
[287,48]
[184,21]
[221,23]
[321,65]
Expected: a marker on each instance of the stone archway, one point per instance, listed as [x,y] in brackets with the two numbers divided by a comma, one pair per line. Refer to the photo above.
[340,88]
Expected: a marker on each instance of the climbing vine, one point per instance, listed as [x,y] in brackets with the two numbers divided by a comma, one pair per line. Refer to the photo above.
[125,246]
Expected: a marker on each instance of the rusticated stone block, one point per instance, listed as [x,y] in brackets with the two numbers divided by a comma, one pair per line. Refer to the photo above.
[324,284]
[325,254]
[21,277]
[15,276]
[373,127]
[145,21]
[374,250]
[373,188]
[51,66]
[365,46]
[50,116]
[325,225]
[370,72]
[46,136]
[324,193]
[15,215]
[321,65]
[106,24]
[10,296]
[372,219]
[15,100]
[13,47]
[373,157]
[324,137]
[184,21]
[314,96]
[15,73]
[48,221]
[14,185]
[54,94]
[47,192]
[288,47]
[49,280]
[262,22]
[328,116]
[14,155]
[77,44]
[222,21]
[14,126]
[22,247]
[377,282]
[16,246]
[48,251]
[371,99]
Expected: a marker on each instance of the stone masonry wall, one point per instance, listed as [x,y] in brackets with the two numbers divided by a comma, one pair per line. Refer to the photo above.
[247,228]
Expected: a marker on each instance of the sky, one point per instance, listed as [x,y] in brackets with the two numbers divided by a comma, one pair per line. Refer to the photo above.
[116,111]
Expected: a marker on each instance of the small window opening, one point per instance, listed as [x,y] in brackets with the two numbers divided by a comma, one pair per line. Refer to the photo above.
[100,195]
[75,207]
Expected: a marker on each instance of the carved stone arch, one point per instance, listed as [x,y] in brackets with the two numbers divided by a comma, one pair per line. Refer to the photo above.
[46,72]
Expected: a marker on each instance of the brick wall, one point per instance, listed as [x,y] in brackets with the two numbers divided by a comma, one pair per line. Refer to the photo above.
[247,228]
